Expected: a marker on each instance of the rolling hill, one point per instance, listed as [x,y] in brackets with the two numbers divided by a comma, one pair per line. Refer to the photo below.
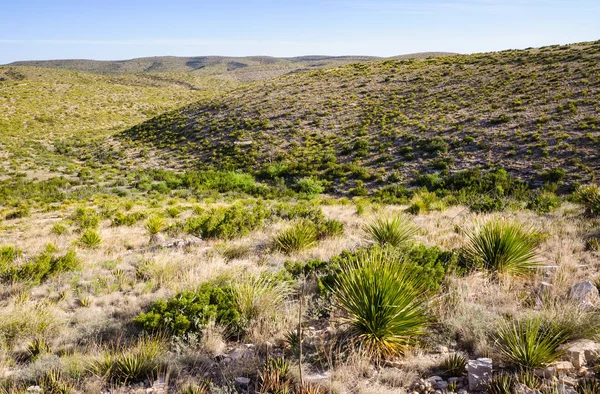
[246,69]
[533,112]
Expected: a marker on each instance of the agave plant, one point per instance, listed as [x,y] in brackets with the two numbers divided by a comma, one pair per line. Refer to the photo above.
[530,343]
[384,301]
[503,247]
[395,231]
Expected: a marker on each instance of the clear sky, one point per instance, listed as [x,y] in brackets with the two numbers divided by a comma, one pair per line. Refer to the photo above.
[123,29]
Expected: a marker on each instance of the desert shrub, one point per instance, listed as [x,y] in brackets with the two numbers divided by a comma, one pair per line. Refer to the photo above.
[487,204]
[38,268]
[59,229]
[530,343]
[309,186]
[393,194]
[501,384]
[544,202]
[123,364]
[383,300]
[227,223]
[22,211]
[86,218]
[589,197]
[190,311]
[395,231]
[9,253]
[553,175]
[260,298]
[302,210]
[90,239]
[300,235]
[233,252]
[329,228]
[503,248]
[173,211]
[127,219]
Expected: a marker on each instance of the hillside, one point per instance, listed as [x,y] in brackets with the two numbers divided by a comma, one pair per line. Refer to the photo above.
[246,69]
[39,107]
[533,112]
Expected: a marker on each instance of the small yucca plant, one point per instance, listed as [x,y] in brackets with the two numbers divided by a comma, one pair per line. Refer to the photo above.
[589,196]
[155,225]
[500,384]
[530,343]
[260,297]
[395,231]
[502,247]
[384,301]
[300,236]
[90,239]
[454,365]
[589,385]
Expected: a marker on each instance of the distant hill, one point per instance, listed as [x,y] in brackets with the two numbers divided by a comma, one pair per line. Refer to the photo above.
[534,112]
[246,69]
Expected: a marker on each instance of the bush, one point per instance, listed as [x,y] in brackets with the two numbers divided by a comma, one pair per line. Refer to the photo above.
[127,219]
[36,269]
[330,228]
[395,231]
[530,343]
[230,222]
[301,235]
[86,218]
[384,302]
[190,311]
[22,211]
[544,202]
[90,239]
[59,229]
[503,248]
[155,225]
[309,186]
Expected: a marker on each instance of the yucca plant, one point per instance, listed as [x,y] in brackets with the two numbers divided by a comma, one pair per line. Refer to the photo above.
[300,236]
[504,248]
[589,197]
[384,301]
[530,343]
[202,388]
[529,379]
[394,231]
[154,225]
[588,385]
[454,365]
[90,239]
[260,297]
[500,384]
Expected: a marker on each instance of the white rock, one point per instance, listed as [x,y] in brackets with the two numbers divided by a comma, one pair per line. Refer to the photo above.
[581,352]
[479,373]
[242,382]
[584,292]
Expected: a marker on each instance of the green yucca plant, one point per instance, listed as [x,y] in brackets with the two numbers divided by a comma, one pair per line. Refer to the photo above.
[530,343]
[529,379]
[504,248]
[589,197]
[394,231]
[384,301]
[202,388]
[90,239]
[300,236]
[500,384]
[588,385]
[454,365]
[154,225]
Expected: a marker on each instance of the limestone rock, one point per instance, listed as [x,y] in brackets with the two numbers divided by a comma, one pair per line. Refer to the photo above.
[242,382]
[479,373]
[581,352]
[584,292]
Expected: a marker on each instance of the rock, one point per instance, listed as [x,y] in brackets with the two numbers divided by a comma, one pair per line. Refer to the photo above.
[479,373]
[581,352]
[584,292]
[520,388]
[562,366]
[35,389]
[241,353]
[242,382]
[157,239]
[547,373]
[443,349]
[440,385]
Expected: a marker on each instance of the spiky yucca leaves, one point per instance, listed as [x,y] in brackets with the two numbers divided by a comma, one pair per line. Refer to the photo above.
[300,236]
[500,384]
[384,301]
[154,225]
[589,385]
[530,343]
[454,365]
[505,248]
[90,239]
[394,231]
[589,196]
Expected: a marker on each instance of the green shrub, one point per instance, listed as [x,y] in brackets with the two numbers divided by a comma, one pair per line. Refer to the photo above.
[38,268]
[59,229]
[544,202]
[395,231]
[501,384]
[227,223]
[90,239]
[127,219]
[330,228]
[384,301]
[155,225]
[301,235]
[530,343]
[309,186]
[503,248]
[260,298]
[22,211]
[86,218]
[190,311]
[454,365]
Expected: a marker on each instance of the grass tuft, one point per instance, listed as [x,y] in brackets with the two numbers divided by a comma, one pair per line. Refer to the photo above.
[395,231]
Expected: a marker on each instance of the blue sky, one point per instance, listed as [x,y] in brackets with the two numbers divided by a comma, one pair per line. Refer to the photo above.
[109,29]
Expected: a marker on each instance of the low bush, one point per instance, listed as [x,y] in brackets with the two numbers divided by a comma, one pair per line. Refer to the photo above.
[301,235]
[86,218]
[227,223]
[36,269]
[90,239]
[190,311]
[589,197]
[544,202]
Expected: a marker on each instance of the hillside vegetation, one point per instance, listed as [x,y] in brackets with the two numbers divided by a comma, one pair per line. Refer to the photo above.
[39,107]
[533,112]
[247,69]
